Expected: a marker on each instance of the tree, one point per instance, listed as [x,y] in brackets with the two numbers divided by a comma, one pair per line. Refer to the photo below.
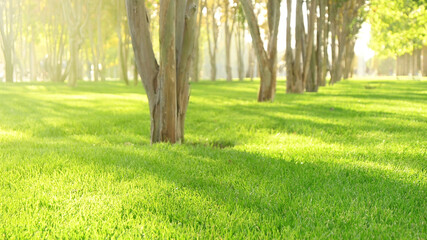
[166,84]
[398,30]
[299,62]
[76,16]
[309,73]
[240,36]
[97,42]
[7,33]
[267,59]
[345,23]
[212,27]
[321,49]
[195,72]
[123,37]
[228,34]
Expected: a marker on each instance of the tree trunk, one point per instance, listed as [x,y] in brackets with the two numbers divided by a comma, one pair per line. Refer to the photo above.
[96,42]
[212,29]
[32,62]
[424,61]
[74,60]
[135,74]
[9,70]
[100,46]
[290,75]
[310,39]
[239,37]
[326,63]
[407,64]
[309,70]
[122,37]
[166,85]
[348,59]
[251,64]
[333,28]
[312,85]
[297,85]
[7,37]
[267,60]
[76,21]
[195,70]
[228,34]
[320,43]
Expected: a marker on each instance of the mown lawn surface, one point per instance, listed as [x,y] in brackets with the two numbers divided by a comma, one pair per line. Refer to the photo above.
[346,163]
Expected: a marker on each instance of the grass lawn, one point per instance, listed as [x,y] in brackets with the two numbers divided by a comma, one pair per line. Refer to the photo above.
[346,163]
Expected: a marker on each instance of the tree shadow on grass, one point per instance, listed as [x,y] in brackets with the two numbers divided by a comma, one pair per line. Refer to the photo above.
[271,196]
[213,185]
[241,193]
[336,125]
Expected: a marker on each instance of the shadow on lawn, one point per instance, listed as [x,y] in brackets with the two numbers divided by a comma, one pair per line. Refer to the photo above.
[336,125]
[271,193]
[255,192]
[261,192]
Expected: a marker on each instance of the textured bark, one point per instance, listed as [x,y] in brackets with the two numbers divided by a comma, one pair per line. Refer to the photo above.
[297,85]
[267,59]
[344,28]
[301,64]
[348,60]
[32,62]
[100,57]
[240,34]
[321,81]
[311,84]
[424,61]
[123,46]
[228,34]
[195,70]
[310,40]
[338,25]
[332,11]
[398,66]
[95,36]
[55,46]
[135,73]
[76,20]
[290,75]
[7,34]
[74,61]
[166,84]
[326,64]
[406,64]
[417,61]
[251,64]
[212,29]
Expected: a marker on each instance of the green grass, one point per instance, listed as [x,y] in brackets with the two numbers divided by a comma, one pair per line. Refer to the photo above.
[346,163]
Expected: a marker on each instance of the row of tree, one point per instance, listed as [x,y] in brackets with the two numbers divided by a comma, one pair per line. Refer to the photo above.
[75,39]
[399,30]
[64,40]
[167,83]
[70,38]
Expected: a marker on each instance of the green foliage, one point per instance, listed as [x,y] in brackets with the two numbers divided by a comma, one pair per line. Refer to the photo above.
[346,163]
[398,26]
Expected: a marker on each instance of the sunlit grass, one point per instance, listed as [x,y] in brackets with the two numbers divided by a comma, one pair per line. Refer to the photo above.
[348,162]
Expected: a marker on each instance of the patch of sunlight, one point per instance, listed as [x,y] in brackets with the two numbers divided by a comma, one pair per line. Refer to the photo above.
[7,135]
[285,143]
[387,169]
[88,139]
[36,88]
[127,96]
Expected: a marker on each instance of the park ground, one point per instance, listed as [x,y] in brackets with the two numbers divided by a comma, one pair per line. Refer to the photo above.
[348,162]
